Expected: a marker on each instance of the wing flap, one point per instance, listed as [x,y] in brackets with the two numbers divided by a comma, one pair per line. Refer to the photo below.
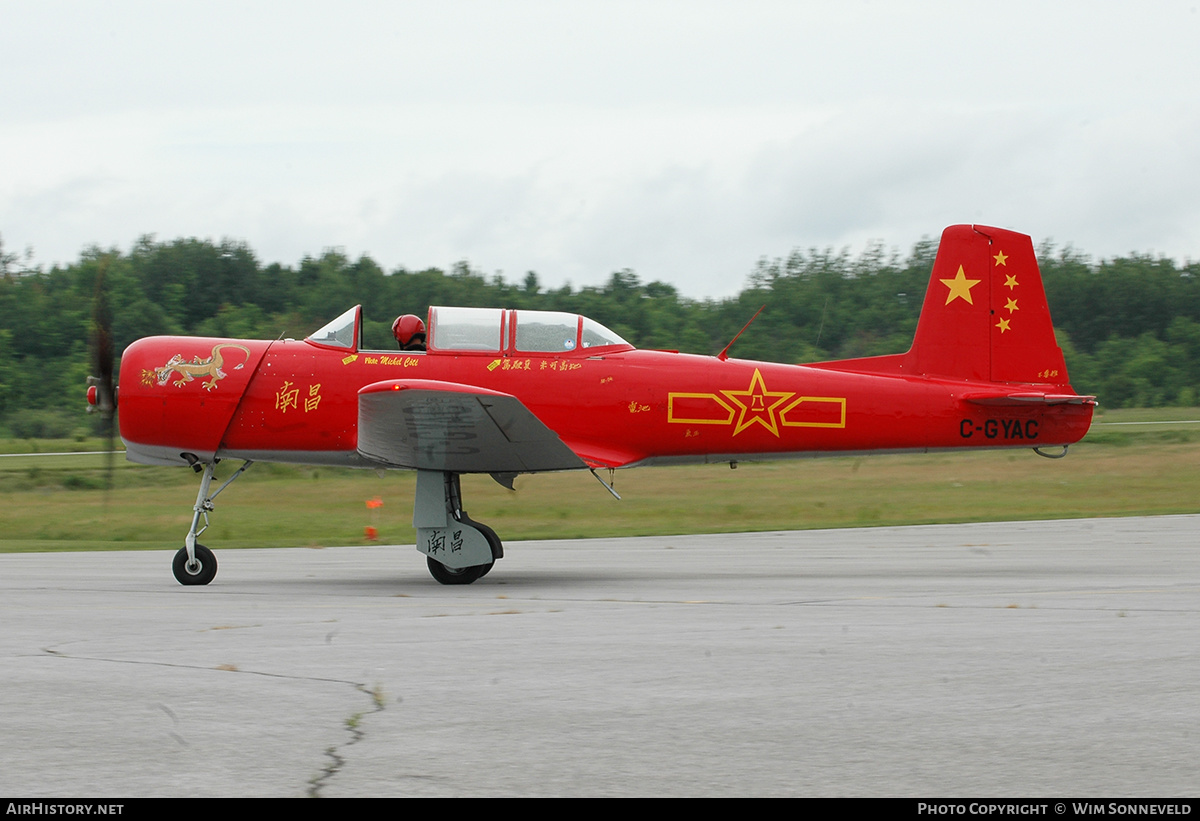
[425,424]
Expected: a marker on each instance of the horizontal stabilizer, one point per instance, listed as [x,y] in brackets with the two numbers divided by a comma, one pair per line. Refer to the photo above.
[430,425]
[1027,398]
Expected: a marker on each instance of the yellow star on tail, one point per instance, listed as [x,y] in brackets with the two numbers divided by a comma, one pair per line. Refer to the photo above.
[960,286]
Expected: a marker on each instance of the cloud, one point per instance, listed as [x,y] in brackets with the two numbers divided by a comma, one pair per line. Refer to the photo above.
[684,141]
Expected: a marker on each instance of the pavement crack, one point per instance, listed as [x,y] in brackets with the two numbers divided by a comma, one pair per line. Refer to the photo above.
[224,668]
[354,725]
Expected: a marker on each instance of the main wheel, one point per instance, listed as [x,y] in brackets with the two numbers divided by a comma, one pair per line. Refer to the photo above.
[455,575]
[202,571]
[493,542]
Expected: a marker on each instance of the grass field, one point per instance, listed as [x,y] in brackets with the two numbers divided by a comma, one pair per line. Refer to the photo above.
[1134,462]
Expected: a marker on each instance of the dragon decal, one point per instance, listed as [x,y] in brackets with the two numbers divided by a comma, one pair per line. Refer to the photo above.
[184,371]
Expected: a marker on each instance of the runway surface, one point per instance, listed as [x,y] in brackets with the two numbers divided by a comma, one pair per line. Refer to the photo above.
[1050,659]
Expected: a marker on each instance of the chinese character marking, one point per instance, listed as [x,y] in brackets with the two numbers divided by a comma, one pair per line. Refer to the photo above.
[314,397]
[286,397]
[437,542]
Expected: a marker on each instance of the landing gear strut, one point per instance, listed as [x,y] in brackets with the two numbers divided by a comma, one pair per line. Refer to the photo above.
[195,563]
[457,549]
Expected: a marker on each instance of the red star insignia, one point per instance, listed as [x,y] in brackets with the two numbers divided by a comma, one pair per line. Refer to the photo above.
[757,404]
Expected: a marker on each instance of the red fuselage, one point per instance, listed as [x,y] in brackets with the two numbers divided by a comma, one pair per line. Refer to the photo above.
[296,401]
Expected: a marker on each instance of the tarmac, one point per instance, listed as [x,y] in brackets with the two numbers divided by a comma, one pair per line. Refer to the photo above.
[1028,659]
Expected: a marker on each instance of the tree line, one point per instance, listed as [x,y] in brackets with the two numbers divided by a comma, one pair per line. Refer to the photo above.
[1129,326]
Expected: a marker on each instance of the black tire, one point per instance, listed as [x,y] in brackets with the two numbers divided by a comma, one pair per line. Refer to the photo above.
[203,574]
[456,575]
[493,543]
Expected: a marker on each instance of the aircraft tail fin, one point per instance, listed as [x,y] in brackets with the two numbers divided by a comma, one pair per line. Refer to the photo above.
[985,316]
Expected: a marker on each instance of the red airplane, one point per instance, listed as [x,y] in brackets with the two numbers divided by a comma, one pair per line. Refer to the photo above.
[506,392]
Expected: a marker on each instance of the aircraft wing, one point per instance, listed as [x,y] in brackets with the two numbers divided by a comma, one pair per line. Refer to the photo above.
[426,424]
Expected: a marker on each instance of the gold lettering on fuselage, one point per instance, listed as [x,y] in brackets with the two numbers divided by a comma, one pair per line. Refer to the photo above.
[394,361]
[288,397]
[314,398]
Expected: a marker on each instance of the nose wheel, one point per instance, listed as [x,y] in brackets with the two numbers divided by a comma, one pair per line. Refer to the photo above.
[195,563]
[200,570]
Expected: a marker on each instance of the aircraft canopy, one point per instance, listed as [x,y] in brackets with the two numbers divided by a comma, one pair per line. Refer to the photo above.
[489,330]
[496,330]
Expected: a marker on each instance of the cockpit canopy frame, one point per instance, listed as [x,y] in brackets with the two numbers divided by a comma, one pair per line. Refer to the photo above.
[492,331]
[502,331]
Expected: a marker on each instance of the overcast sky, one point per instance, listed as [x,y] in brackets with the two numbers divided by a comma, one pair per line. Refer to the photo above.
[684,140]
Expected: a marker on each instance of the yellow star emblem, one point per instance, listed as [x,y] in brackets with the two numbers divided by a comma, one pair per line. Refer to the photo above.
[960,286]
[1003,325]
[1011,306]
[758,404]
[1001,259]
[1010,281]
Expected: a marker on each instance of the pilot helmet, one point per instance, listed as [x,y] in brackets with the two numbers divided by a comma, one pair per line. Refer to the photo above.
[406,327]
